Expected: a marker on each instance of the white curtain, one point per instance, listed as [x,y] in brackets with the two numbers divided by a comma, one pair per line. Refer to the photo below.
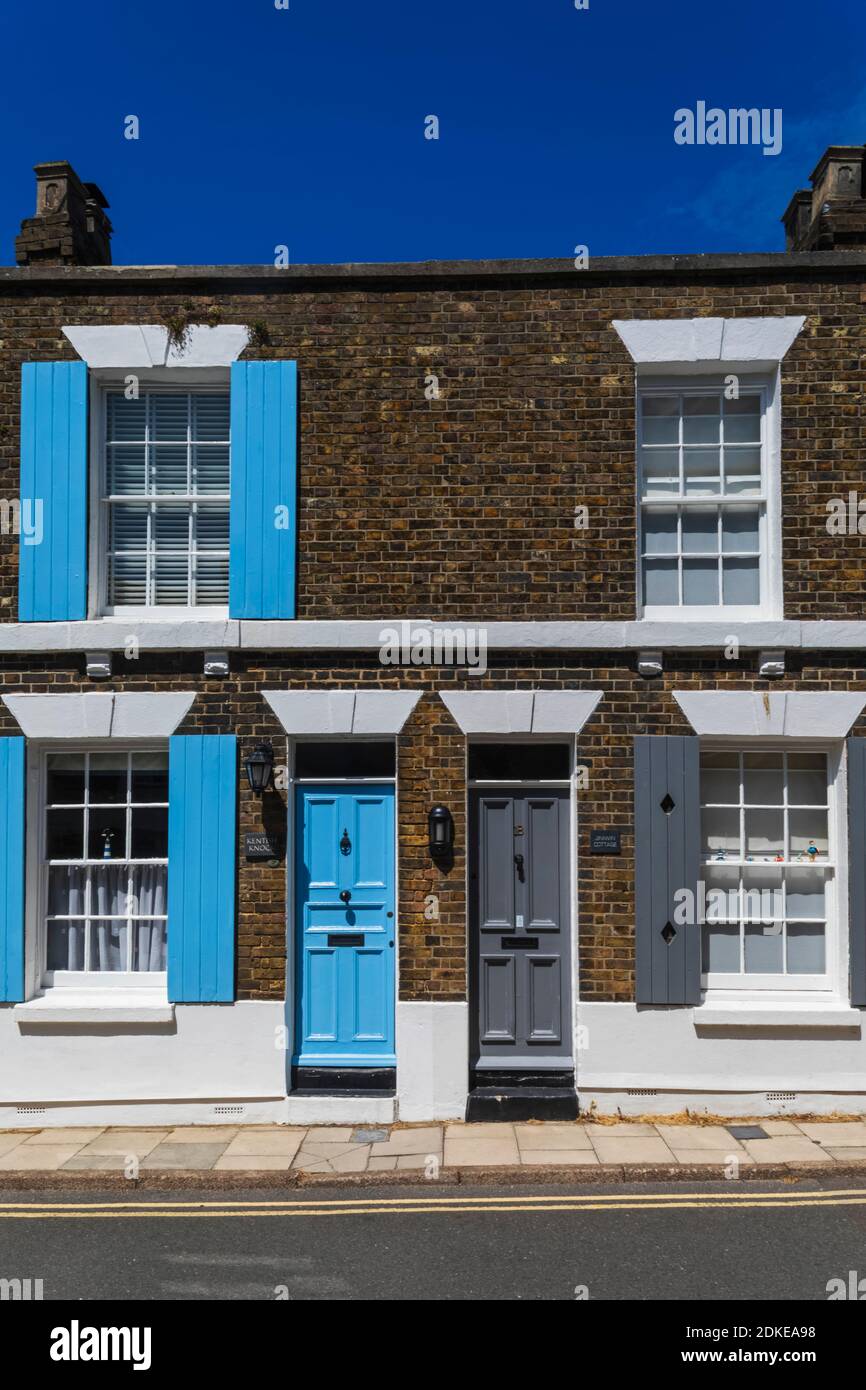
[116,890]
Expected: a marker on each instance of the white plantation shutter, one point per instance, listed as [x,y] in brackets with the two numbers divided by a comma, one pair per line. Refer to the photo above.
[165,451]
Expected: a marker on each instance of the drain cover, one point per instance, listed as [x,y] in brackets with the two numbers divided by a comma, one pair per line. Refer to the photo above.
[747,1132]
[369,1136]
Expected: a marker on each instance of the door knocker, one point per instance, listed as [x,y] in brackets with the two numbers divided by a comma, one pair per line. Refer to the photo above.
[345,843]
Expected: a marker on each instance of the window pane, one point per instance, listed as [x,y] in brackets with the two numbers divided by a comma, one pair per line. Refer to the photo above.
[107,777]
[64,836]
[700,532]
[720,777]
[210,416]
[740,530]
[808,831]
[168,468]
[149,885]
[65,946]
[723,894]
[743,420]
[763,781]
[171,579]
[353,758]
[701,420]
[128,526]
[763,949]
[65,778]
[150,833]
[764,833]
[720,832]
[701,471]
[212,527]
[700,581]
[149,946]
[67,891]
[149,777]
[742,470]
[805,894]
[108,946]
[537,762]
[211,468]
[109,890]
[126,470]
[721,948]
[806,953]
[211,580]
[659,532]
[741,582]
[763,902]
[661,471]
[169,417]
[107,834]
[660,419]
[807,779]
[126,419]
[660,582]
[127,580]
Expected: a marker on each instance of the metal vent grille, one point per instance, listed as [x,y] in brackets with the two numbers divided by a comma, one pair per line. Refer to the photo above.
[641,1091]
[781,1095]
[30,1109]
[229,1109]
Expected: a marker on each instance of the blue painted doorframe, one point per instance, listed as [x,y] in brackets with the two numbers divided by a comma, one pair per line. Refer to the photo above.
[344,916]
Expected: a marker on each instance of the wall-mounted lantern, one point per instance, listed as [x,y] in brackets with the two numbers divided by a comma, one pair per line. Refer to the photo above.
[259,766]
[440,829]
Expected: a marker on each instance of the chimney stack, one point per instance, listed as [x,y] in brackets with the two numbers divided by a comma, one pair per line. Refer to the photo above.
[831,216]
[70,226]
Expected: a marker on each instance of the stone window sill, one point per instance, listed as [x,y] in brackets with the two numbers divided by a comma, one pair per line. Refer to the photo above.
[61,1006]
[748,1014]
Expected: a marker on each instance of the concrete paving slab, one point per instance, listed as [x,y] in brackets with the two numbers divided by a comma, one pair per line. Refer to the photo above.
[643,1149]
[719,1158]
[78,1134]
[41,1157]
[487,1149]
[137,1142]
[623,1130]
[484,1130]
[410,1141]
[253,1163]
[331,1134]
[276,1142]
[847,1155]
[202,1134]
[382,1165]
[551,1136]
[838,1135]
[10,1141]
[557,1157]
[202,1156]
[786,1148]
[693,1137]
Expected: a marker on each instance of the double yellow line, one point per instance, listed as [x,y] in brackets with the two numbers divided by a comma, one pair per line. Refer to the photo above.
[305,1207]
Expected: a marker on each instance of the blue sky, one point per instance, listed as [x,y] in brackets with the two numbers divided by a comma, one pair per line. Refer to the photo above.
[305,127]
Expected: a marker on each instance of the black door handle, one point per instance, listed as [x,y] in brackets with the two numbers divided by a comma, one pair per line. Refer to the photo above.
[518,860]
[345,895]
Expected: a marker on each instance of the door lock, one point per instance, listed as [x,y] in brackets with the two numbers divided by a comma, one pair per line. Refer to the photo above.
[345,895]
[518,861]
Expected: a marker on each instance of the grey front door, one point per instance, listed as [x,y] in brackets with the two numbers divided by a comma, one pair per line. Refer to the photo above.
[521,953]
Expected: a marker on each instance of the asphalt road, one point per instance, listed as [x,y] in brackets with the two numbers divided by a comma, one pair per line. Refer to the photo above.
[713,1240]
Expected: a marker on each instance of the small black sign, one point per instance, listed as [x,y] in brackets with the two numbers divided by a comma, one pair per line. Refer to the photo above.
[262,847]
[604,842]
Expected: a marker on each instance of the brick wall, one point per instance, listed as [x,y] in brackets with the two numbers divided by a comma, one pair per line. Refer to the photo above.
[431,768]
[464,506]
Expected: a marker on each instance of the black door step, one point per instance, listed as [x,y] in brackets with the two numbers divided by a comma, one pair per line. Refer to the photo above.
[508,1103]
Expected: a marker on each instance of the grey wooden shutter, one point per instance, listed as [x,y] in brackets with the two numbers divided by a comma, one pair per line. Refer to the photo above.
[667,858]
[857,868]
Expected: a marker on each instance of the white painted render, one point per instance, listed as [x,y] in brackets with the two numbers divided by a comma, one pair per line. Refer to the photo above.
[746,340]
[355,712]
[782,713]
[520,711]
[134,346]
[432,1060]
[100,715]
[191,633]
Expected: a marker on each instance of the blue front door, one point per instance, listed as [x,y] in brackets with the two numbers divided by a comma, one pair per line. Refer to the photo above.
[344,884]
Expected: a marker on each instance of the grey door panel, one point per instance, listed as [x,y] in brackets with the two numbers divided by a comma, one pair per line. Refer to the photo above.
[520,962]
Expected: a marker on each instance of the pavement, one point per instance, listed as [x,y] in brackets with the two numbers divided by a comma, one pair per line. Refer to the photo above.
[675,1242]
[291,1155]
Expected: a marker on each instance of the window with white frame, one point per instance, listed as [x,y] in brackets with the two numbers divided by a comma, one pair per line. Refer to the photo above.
[703,501]
[768,868]
[165,499]
[104,864]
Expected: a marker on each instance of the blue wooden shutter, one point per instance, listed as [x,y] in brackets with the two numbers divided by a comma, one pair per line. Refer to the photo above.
[11,869]
[264,405]
[52,573]
[667,859]
[857,868]
[202,791]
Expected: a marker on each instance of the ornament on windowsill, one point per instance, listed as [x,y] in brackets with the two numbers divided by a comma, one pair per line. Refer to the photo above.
[812,850]
[107,837]
[779,859]
[720,855]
